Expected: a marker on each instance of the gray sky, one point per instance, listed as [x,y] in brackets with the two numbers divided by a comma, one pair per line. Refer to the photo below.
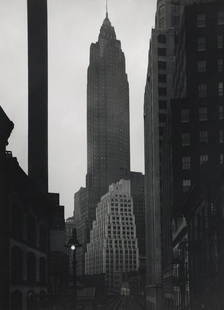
[73,26]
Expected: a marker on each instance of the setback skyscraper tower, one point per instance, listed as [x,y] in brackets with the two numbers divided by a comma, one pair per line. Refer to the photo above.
[108,134]
[38,93]
[108,146]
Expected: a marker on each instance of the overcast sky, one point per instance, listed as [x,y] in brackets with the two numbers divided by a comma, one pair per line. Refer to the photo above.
[72,26]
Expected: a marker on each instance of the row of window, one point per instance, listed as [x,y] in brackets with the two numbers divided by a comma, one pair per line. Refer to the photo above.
[186,160]
[201,19]
[202,65]
[203,114]
[186,137]
[27,228]
[17,266]
[202,43]
[203,90]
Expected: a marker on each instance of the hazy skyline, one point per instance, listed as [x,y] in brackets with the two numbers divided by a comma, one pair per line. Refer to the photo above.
[72,26]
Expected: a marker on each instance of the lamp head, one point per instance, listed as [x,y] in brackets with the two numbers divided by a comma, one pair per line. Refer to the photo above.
[72,247]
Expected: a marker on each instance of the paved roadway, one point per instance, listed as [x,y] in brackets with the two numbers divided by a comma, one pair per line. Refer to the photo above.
[116,303]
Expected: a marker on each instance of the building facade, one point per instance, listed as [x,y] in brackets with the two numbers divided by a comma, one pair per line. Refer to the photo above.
[83,227]
[158,163]
[137,193]
[113,247]
[108,137]
[24,235]
[108,133]
[197,114]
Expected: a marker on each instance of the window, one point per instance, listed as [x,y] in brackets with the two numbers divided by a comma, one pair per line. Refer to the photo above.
[186,163]
[162,65]
[161,51]
[221,159]
[186,185]
[202,90]
[204,136]
[203,158]
[202,64]
[16,265]
[220,41]
[201,20]
[161,38]
[221,112]
[162,78]
[221,136]
[186,139]
[220,18]
[185,116]
[203,114]
[220,89]
[201,44]
[162,104]
[220,65]
[162,91]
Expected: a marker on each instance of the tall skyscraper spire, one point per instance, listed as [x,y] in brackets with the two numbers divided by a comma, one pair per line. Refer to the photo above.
[106,9]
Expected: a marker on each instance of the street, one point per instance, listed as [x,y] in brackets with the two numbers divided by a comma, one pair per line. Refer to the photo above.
[123,303]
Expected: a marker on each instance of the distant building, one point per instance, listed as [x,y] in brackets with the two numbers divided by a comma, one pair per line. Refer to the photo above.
[113,247]
[108,137]
[83,227]
[137,194]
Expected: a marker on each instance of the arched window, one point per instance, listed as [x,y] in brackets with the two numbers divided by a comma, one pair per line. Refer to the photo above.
[16,265]
[31,267]
[42,270]
[16,300]
[31,301]
[43,300]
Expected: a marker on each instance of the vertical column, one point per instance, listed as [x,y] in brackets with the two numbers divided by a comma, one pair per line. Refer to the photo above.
[38,92]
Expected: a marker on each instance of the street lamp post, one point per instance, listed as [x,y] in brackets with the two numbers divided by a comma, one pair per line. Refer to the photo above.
[73,244]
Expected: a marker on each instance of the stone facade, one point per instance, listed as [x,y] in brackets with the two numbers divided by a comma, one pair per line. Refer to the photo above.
[113,247]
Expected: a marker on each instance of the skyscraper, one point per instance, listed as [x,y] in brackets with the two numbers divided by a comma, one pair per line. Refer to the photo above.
[38,93]
[113,247]
[158,170]
[198,148]
[108,137]
[108,145]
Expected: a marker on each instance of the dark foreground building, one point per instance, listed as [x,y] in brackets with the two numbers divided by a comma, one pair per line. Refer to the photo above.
[198,149]
[25,220]
[34,266]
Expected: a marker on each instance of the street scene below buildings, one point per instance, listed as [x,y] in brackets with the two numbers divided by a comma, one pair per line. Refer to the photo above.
[133,240]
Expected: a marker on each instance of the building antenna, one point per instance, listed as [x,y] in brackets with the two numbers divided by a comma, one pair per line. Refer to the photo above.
[106,8]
